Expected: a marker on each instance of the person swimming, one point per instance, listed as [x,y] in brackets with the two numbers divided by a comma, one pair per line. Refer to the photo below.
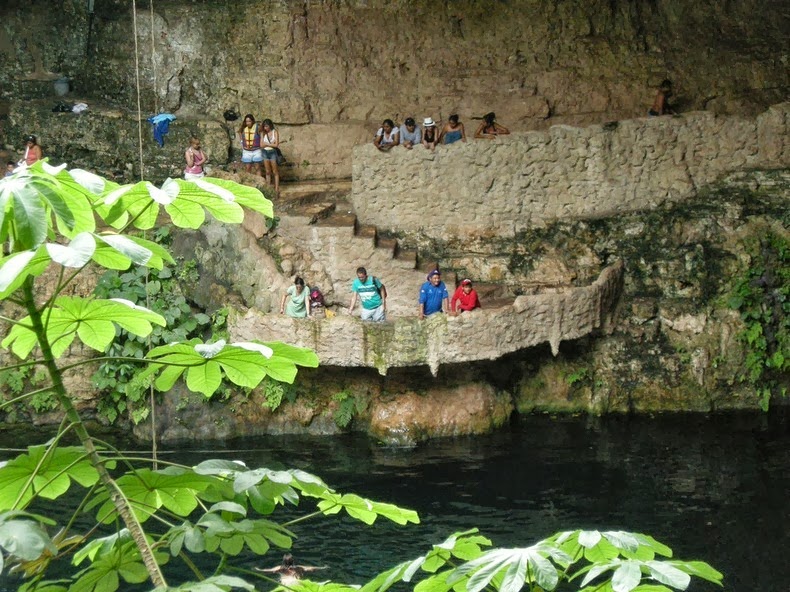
[288,571]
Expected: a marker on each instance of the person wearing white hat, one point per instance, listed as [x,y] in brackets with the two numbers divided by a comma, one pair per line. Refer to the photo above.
[430,135]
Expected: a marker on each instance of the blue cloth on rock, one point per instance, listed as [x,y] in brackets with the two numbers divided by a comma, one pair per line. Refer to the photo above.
[161,125]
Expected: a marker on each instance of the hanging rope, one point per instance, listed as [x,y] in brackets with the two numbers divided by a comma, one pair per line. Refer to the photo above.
[153,59]
[137,84]
[152,402]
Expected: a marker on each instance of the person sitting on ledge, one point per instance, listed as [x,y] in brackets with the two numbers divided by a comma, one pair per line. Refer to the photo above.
[464,299]
[387,136]
[661,102]
[490,129]
[410,134]
[433,295]
[430,135]
[32,151]
[453,131]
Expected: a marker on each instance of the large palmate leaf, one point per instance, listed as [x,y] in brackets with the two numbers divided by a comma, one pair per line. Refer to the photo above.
[211,584]
[147,491]
[364,509]
[116,558]
[541,564]
[43,472]
[32,196]
[186,202]
[93,320]
[110,250]
[244,364]
[461,545]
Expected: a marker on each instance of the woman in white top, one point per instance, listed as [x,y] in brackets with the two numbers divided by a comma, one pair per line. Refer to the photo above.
[270,142]
[387,136]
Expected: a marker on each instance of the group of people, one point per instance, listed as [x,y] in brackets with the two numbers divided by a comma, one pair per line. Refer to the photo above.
[260,143]
[299,301]
[433,298]
[429,135]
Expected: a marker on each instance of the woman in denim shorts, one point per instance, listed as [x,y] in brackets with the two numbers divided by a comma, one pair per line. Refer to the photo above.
[270,143]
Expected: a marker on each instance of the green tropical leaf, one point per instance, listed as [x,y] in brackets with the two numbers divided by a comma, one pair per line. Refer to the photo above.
[147,491]
[666,573]
[29,215]
[76,254]
[699,569]
[126,247]
[46,474]
[245,196]
[211,584]
[627,576]
[218,201]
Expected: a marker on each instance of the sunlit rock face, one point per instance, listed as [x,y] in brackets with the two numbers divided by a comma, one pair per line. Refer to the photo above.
[328,73]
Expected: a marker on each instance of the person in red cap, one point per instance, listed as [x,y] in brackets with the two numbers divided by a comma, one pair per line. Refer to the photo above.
[464,299]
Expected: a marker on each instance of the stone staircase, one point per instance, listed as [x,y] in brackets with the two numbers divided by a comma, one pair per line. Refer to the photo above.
[318,217]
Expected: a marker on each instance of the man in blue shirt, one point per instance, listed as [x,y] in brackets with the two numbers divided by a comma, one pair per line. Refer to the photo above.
[372,294]
[433,295]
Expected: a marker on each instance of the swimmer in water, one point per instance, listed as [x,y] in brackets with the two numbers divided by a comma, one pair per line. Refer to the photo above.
[288,571]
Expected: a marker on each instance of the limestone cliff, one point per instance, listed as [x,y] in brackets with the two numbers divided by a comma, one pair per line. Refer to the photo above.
[329,72]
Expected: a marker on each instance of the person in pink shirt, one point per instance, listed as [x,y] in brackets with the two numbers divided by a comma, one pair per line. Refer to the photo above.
[464,299]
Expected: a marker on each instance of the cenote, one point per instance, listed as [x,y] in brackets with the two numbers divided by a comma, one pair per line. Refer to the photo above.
[712,487]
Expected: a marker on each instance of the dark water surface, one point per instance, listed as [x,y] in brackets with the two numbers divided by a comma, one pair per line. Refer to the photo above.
[715,488]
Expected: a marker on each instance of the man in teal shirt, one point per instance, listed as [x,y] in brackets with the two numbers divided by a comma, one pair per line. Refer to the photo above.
[372,294]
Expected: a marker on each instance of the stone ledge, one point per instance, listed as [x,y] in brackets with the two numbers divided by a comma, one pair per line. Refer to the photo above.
[401,342]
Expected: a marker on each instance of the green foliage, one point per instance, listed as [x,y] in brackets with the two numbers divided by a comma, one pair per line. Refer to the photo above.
[578,376]
[118,381]
[348,407]
[275,391]
[762,296]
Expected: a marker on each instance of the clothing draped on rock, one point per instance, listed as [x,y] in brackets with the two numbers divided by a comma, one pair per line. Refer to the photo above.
[161,125]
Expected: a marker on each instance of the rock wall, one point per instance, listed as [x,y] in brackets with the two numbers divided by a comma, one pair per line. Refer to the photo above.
[328,72]
[502,186]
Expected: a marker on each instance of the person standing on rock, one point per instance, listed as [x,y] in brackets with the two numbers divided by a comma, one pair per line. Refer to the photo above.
[195,158]
[250,136]
[372,294]
[464,299]
[433,295]
[271,144]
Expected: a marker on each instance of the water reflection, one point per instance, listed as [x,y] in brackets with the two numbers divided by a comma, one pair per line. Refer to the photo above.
[712,487]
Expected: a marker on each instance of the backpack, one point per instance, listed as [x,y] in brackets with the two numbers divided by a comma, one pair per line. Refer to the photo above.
[316,298]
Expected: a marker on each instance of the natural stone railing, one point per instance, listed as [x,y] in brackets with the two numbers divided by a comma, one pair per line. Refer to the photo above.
[500,186]
[479,335]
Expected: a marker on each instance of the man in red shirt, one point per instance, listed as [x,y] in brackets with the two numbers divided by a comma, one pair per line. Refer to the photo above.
[464,299]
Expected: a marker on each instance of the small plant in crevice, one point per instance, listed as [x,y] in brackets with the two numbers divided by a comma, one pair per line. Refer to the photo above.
[762,297]
[349,406]
[274,392]
[577,377]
